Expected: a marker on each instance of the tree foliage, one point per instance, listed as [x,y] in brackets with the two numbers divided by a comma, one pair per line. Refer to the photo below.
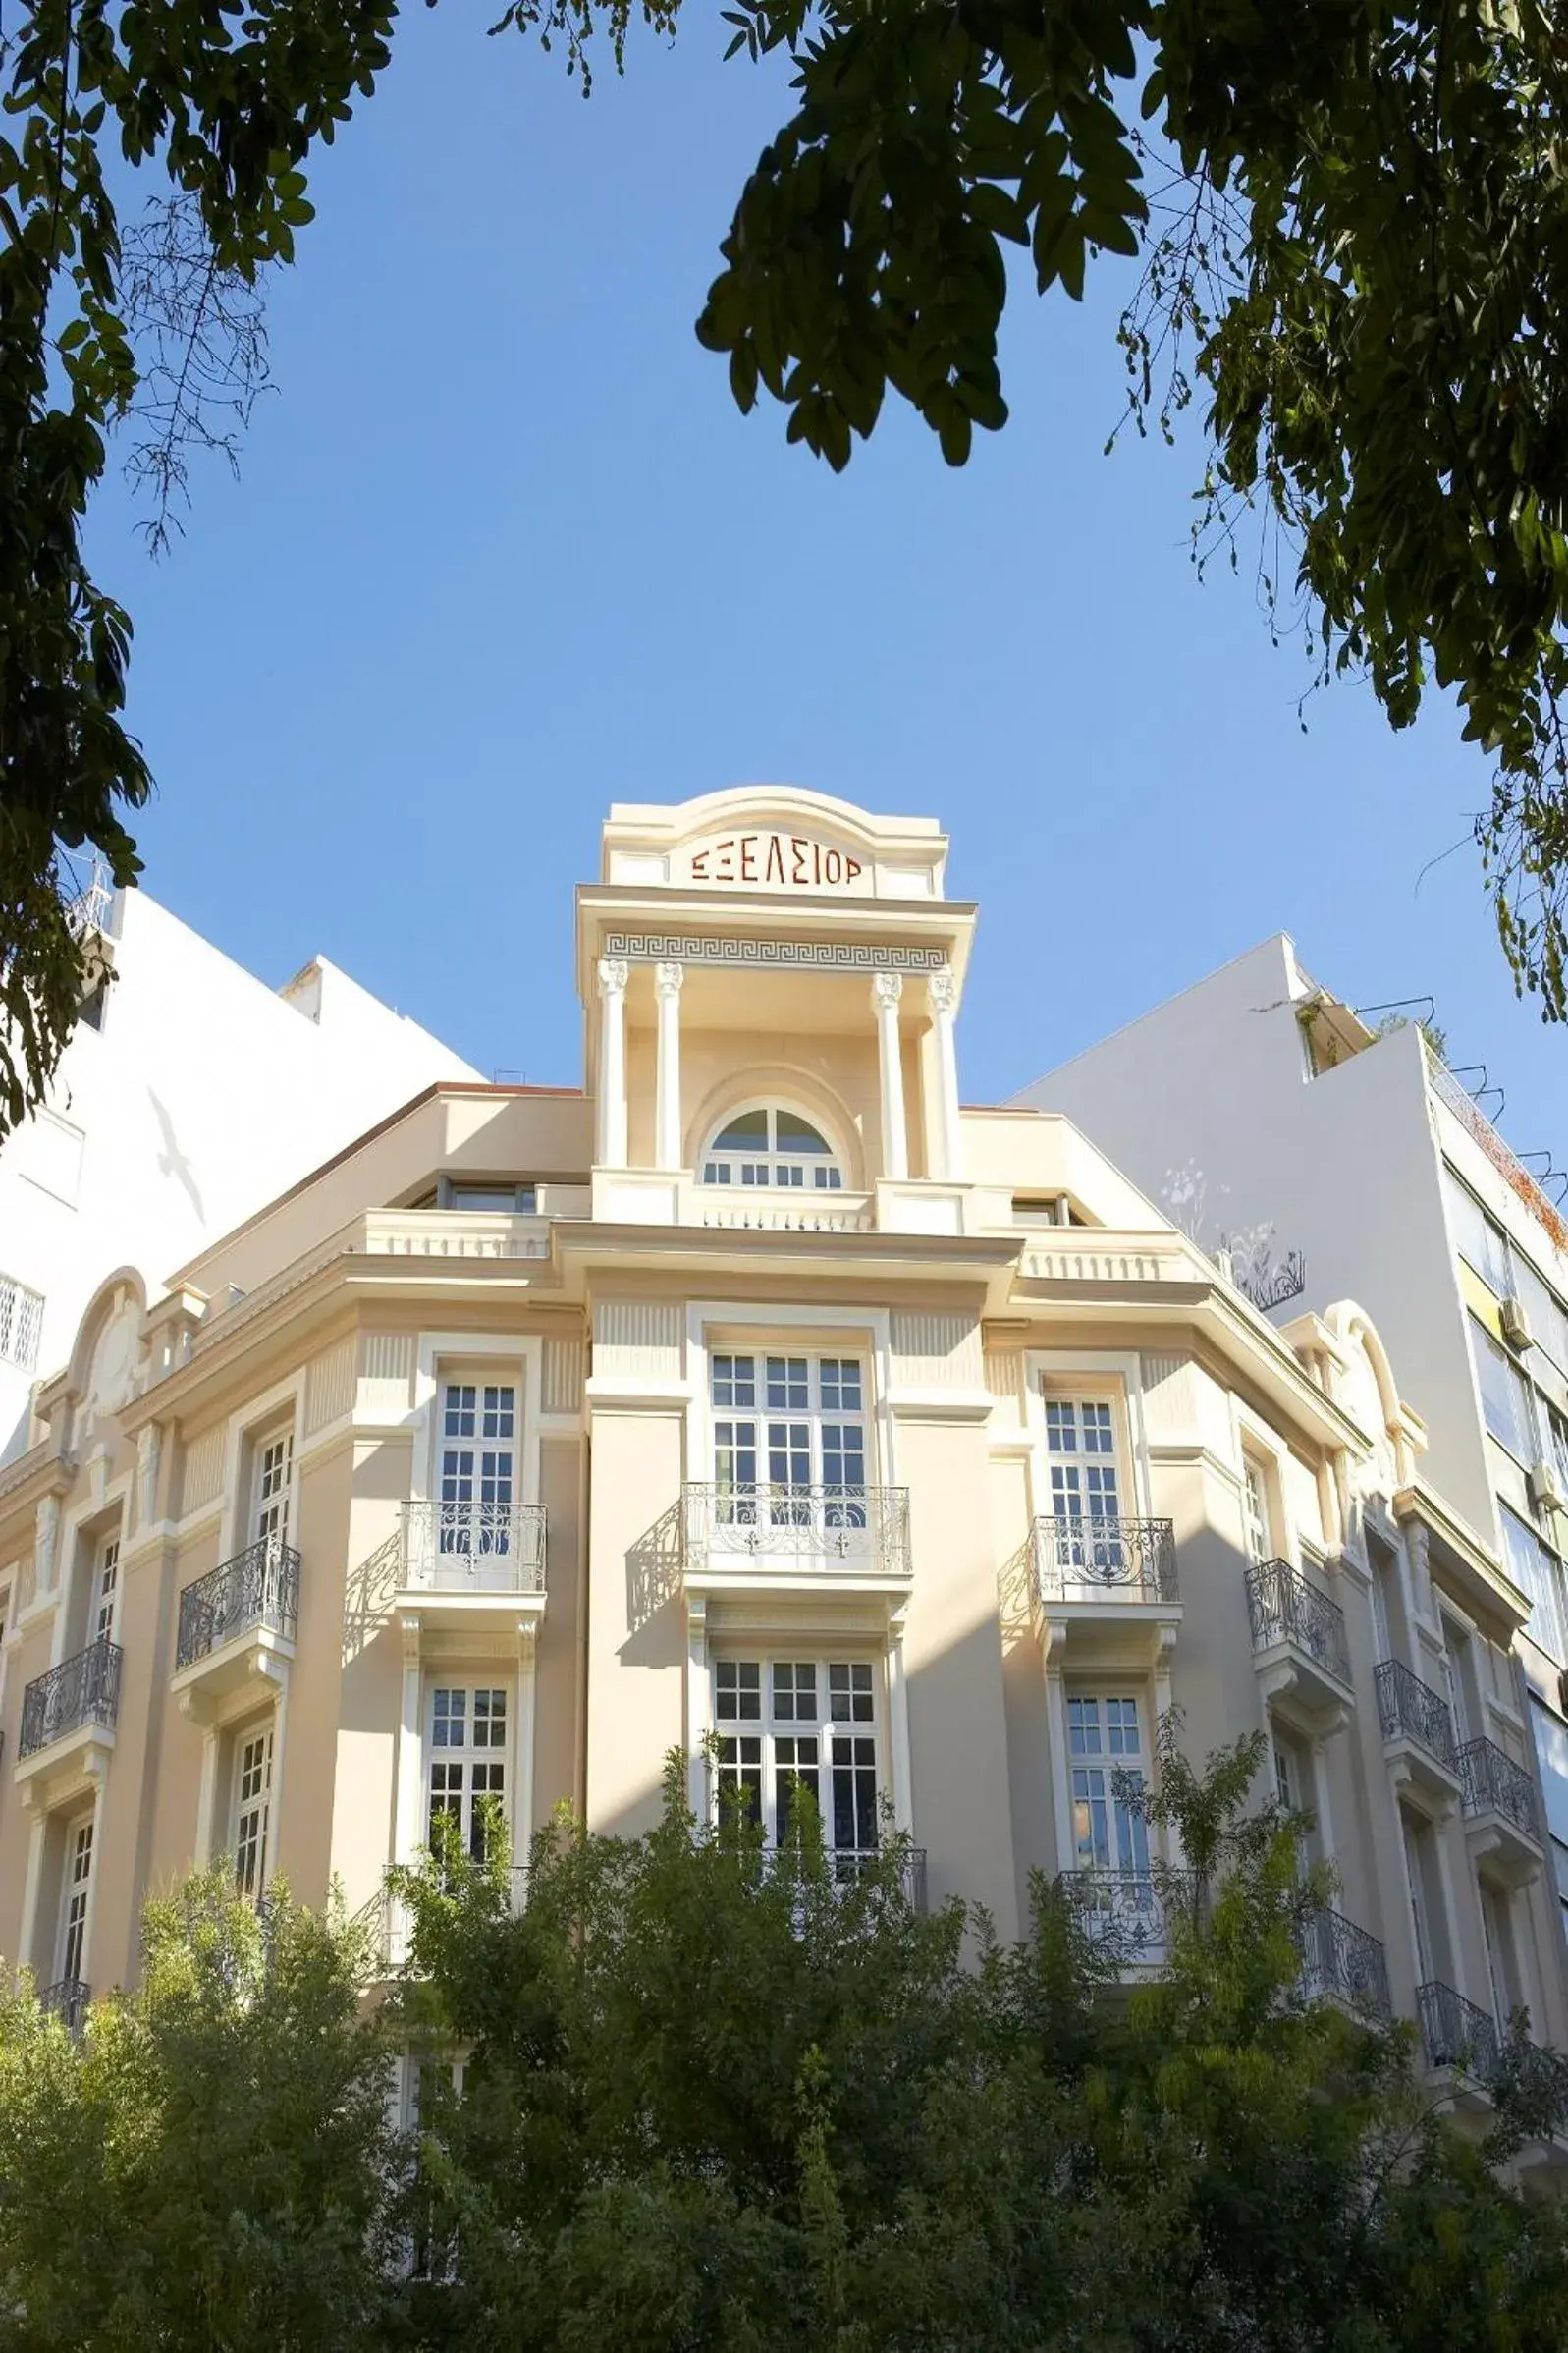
[708,2099]
[1351,217]
[695,2095]
[1353,221]
[210,2165]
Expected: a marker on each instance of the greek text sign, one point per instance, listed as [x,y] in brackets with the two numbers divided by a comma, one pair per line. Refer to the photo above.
[780,861]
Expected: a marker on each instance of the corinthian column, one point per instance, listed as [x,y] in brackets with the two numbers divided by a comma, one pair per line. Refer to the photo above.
[613,974]
[886,991]
[666,981]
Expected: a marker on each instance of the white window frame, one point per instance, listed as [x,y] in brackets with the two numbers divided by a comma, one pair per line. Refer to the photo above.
[443,1357]
[21,1324]
[468,1756]
[1114,1376]
[1259,1516]
[781,1170]
[731,1325]
[781,1396]
[847,1672]
[251,1811]
[263,1420]
[482,1458]
[1126,1833]
[74,1927]
[103,1594]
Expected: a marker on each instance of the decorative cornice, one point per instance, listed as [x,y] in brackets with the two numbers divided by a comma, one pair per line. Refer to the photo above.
[826,956]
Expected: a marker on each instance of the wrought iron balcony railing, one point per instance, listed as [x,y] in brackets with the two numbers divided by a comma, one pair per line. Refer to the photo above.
[473,1547]
[1456,2033]
[1105,1559]
[1132,1908]
[79,1692]
[66,1999]
[258,1587]
[1410,1709]
[848,1866]
[1492,1779]
[1285,1608]
[780,1527]
[1340,1961]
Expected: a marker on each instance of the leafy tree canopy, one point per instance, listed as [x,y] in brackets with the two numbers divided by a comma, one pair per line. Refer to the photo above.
[1352,217]
[694,2096]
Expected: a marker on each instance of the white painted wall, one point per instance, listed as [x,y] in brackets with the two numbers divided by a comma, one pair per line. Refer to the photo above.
[204,1094]
[1207,1104]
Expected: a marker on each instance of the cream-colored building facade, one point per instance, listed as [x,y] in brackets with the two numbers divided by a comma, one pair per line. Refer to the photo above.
[762,1402]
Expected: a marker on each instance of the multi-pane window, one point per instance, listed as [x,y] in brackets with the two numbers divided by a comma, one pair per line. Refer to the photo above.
[1255,1507]
[468,1775]
[21,1324]
[478,1466]
[770,1146]
[105,1588]
[1104,1742]
[1504,1394]
[810,1724]
[1081,1450]
[73,1899]
[1538,1572]
[274,1462]
[784,1424]
[252,1804]
[1481,1244]
[1085,1487]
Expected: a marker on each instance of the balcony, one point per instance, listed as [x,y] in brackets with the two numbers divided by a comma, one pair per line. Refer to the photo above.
[1418,1735]
[850,1541]
[1129,1912]
[66,1999]
[1105,1586]
[1464,2042]
[68,1716]
[1300,1648]
[472,1566]
[1457,2037]
[1501,1821]
[1340,1962]
[848,1866]
[236,1623]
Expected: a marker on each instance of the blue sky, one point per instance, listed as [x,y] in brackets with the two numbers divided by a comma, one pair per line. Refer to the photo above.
[501,551]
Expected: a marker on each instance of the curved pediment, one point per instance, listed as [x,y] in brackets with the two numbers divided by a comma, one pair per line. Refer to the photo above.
[777,839]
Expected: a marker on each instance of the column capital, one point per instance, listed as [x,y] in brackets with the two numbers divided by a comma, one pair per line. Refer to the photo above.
[941,989]
[667,979]
[886,990]
[613,974]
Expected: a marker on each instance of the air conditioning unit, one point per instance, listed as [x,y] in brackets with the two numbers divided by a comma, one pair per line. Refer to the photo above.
[1545,1487]
[1515,1322]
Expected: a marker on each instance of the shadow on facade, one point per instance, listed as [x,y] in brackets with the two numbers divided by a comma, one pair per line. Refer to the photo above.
[654,1569]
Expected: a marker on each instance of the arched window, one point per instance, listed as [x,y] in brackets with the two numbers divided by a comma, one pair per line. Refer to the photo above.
[772,1146]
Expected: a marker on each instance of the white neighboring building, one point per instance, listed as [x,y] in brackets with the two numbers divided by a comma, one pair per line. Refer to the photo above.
[189,1095]
[1337,1164]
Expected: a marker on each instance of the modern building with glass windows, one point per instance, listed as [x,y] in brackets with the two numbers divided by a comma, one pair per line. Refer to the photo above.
[759,1403]
[1325,1159]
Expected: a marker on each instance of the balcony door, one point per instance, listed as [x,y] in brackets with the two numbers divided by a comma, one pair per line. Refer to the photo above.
[274,1472]
[468,1768]
[252,1807]
[105,1591]
[791,1725]
[1106,1748]
[789,1444]
[75,1895]
[478,1473]
[1084,1476]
